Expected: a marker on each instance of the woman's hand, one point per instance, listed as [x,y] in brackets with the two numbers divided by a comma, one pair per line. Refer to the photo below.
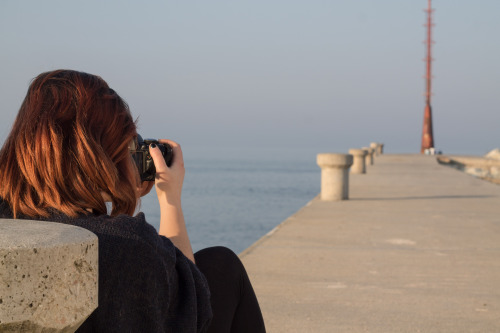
[168,183]
[169,180]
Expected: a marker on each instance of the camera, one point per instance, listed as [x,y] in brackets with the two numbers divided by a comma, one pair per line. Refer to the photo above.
[143,160]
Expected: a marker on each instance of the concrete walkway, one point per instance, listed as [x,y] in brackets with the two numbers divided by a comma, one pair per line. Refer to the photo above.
[415,249]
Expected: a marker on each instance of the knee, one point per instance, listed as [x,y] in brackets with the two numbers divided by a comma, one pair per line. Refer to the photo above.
[219,260]
[217,254]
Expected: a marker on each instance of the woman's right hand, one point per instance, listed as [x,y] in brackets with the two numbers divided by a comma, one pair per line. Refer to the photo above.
[168,180]
[168,183]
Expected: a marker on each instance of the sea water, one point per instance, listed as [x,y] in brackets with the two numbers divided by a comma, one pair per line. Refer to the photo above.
[233,199]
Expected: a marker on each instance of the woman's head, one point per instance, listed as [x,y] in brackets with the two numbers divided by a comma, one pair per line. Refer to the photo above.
[67,147]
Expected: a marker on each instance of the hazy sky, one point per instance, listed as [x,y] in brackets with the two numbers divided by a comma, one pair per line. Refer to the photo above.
[317,75]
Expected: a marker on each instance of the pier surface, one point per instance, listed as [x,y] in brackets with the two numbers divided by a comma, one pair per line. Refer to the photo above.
[415,249]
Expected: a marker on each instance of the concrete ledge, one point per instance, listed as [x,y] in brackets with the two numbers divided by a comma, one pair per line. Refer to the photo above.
[481,167]
[48,276]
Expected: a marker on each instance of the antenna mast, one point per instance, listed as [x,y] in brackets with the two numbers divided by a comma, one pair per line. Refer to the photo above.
[427,135]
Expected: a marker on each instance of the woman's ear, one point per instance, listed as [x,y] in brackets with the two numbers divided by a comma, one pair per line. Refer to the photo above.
[105,197]
[145,188]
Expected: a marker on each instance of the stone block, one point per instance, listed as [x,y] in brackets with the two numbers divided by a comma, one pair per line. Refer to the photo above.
[48,276]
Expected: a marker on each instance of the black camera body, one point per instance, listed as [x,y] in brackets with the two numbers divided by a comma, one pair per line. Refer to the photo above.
[143,159]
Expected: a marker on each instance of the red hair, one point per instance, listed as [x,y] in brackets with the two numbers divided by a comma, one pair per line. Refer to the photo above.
[68,145]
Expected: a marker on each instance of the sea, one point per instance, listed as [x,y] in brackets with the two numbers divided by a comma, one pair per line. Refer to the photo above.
[233,198]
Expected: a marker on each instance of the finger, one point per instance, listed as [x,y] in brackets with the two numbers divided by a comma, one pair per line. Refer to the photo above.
[177,151]
[158,159]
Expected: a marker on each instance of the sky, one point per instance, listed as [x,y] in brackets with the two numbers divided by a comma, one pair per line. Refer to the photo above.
[308,76]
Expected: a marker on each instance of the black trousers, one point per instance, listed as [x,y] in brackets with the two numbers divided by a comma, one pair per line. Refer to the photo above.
[234,304]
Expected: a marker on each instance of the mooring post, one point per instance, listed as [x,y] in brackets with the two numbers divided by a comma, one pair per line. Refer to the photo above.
[369,155]
[358,165]
[334,176]
[380,148]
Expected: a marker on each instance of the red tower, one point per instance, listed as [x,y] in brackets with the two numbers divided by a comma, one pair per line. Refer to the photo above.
[427,135]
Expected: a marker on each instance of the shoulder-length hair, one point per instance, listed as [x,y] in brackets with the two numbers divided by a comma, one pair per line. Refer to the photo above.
[68,146]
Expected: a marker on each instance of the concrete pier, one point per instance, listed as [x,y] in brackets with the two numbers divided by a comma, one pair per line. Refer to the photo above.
[48,276]
[415,249]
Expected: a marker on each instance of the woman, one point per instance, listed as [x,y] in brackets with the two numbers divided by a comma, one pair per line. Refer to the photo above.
[66,156]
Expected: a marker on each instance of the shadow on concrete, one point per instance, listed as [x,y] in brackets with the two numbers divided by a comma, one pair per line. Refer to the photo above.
[432,197]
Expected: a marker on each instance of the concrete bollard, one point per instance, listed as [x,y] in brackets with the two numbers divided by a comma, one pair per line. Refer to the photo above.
[380,148]
[369,155]
[372,156]
[48,276]
[334,176]
[374,146]
[358,165]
